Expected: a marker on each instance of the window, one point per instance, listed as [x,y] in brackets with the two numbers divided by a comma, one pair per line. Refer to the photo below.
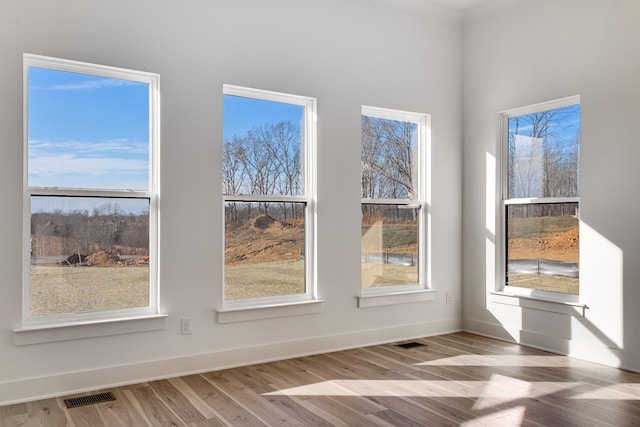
[268,192]
[90,192]
[541,203]
[393,163]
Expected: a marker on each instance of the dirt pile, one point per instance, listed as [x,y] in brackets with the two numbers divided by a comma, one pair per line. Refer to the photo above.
[560,247]
[264,239]
[102,258]
[265,222]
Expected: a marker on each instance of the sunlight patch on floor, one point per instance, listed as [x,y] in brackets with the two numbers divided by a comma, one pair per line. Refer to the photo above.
[509,360]
[623,391]
[499,389]
[507,417]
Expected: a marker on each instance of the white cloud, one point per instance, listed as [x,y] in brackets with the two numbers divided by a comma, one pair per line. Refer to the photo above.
[88,148]
[58,164]
[69,171]
[92,84]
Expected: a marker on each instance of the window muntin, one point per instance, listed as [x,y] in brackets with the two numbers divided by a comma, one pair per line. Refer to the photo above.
[268,194]
[541,203]
[90,191]
[393,189]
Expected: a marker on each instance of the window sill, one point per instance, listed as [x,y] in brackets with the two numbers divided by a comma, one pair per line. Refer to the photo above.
[391,298]
[269,311]
[539,303]
[52,332]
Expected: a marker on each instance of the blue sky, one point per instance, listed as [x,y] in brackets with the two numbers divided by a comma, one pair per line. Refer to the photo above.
[565,127]
[243,114]
[86,131]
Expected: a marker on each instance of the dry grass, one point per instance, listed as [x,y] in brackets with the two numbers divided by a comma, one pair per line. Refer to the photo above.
[377,274]
[567,285]
[264,279]
[287,278]
[63,290]
[59,290]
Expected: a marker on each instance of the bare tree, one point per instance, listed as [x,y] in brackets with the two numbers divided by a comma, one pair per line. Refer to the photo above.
[388,158]
[264,161]
[542,162]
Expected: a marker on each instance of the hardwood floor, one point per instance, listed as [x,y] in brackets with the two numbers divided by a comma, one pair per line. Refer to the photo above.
[455,379]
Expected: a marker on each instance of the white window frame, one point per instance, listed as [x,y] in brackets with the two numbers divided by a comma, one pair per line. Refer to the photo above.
[503,201]
[308,198]
[421,201]
[73,319]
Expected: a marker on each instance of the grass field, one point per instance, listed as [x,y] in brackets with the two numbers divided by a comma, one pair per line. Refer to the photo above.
[567,285]
[264,279]
[64,290]
[287,278]
[59,290]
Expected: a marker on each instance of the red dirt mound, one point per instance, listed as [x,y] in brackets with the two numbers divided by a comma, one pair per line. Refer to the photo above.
[102,258]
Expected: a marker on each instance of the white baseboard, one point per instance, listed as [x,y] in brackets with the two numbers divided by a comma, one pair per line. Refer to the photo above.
[592,352]
[29,389]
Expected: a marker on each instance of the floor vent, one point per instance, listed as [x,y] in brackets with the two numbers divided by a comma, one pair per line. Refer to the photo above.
[411,344]
[89,400]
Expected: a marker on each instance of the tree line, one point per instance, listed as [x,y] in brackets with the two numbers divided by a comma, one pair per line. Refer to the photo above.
[264,161]
[107,228]
[267,160]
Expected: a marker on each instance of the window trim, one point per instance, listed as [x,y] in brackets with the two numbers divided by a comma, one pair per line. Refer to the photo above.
[308,198]
[500,287]
[396,293]
[152,194]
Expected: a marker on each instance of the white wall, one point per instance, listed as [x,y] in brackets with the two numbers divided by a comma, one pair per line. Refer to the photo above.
[544,50]
[345,53]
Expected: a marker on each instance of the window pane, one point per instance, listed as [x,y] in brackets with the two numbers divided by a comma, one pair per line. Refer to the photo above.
[544,154]
[88,254]
[389,158]
[87,131]
[389,245]
[543,246]
[264,249]
[262,152]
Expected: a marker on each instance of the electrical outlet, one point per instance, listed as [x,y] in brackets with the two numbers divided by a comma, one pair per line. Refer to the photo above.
[449,298]
[185,326]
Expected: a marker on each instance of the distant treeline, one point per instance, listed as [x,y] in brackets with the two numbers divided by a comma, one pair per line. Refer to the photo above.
[543,210]
[107,228]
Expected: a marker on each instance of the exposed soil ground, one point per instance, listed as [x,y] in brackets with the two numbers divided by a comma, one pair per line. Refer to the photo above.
[264,239]
[559,247]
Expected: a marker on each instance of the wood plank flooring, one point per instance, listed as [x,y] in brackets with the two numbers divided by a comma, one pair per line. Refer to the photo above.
[455,379]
